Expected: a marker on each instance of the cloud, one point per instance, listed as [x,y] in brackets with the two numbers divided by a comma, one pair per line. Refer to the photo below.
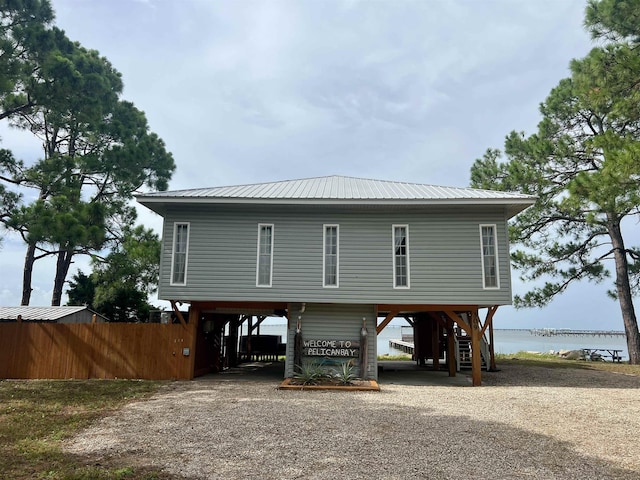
[256,91]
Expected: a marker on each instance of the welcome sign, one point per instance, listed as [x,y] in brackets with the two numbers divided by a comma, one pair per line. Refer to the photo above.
[331,348]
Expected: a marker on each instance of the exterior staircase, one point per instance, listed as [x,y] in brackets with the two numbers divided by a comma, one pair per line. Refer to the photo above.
[463,343]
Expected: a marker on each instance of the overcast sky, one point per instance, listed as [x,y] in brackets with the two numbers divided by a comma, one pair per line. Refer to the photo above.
[257,91]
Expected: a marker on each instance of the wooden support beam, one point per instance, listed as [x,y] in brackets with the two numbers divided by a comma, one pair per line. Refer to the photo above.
[178,313]
[490,313]
[249,334]
[441,321]
[489,322]
[259,320]
[386,321]
[418,346]
[435,342]
[194,318]
[476,359]
[411,308]
[232,343]
[452,355]
[453,316]
[240,306]
[408,319]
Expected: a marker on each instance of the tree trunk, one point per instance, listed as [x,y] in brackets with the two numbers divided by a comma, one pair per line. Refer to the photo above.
[62,269]
[29,260]
[623,289]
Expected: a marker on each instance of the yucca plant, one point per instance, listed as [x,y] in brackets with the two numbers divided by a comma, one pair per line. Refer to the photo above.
[309,373]
[345,374]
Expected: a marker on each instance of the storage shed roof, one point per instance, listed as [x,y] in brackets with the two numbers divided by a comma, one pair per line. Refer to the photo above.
[43,314]
[338,190]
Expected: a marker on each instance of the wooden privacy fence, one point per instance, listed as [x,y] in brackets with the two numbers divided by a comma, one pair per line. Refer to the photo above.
[101,350]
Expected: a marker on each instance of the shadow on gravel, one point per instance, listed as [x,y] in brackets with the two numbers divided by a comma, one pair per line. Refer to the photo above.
[537,376]
[407,373]
[389,372]
[251,371]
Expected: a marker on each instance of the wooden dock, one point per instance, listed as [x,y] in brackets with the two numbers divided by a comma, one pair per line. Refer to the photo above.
[551,332]
[406,347]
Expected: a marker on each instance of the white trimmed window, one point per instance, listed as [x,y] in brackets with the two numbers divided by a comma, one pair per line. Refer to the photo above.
[179,253]
[489,245]
[400,256]
[264,267]
[330,262]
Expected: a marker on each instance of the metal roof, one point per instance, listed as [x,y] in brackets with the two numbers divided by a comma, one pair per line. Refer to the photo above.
[338,190]
[38,313]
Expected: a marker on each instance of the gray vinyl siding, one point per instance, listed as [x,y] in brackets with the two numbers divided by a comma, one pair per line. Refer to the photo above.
[333,322]
[444,255]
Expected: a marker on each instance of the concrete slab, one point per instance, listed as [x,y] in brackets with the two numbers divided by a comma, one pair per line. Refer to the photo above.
[408,373]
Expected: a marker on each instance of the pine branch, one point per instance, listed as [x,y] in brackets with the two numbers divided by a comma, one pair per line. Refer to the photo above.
[18,109]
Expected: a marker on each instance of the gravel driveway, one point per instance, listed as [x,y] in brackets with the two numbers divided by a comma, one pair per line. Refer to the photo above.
[524,422]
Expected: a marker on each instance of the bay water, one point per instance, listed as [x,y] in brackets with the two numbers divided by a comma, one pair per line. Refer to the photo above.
[506,340]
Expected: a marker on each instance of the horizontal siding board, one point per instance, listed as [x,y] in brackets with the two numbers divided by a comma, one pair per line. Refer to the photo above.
[333,322]
[444,252]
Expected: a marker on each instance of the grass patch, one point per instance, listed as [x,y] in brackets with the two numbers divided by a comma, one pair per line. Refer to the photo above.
[401,357]
[36,416]
[553,361]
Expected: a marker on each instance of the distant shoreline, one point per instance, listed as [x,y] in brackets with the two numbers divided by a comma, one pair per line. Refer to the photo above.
[558,331]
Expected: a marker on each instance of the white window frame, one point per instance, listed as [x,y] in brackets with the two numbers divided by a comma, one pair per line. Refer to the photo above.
[173,253]
[495,255]
[393,253]
[324,255]
[273,231]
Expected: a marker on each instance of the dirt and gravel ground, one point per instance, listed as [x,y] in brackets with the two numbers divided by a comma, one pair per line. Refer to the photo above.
[524,422]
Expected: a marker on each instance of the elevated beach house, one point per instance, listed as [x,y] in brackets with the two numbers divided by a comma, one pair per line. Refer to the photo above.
[339,257]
